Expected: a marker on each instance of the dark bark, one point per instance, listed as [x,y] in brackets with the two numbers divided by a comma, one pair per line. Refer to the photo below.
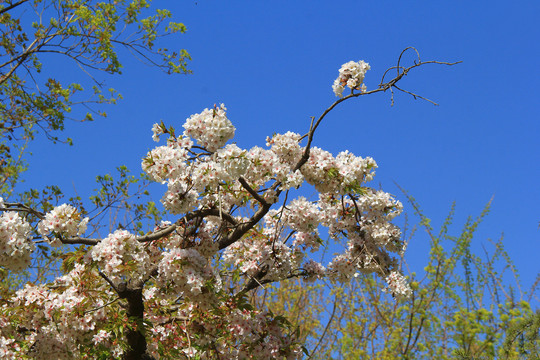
[135,312]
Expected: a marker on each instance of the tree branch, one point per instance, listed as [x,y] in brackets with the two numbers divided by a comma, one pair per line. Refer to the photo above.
[12,6]
[253,193]
[242,229]
[382,88]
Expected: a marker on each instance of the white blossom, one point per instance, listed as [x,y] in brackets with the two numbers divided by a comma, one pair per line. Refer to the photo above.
[119,254]
[15,245]
[351,75]
[165,162]
[397,285]
[157,130]
[211,128]
[63,220]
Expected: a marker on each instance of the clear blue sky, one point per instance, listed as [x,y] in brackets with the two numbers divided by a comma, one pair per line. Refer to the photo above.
[273,63]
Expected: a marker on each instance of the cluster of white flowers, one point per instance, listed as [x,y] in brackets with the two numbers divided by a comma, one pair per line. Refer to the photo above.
[343,267]
[165,162]
[346,206]
[251,254]
[310,241]
[184,271]
[63,220]
[179,197]
[101,337]
[380,203]
[302,215]
[286,147]
[351,75]
[9,349]
[213,176]
[342,175]
[211,128]
[314,270]
[248,328]
[196,181]
[267,165]
[245,333]
[15,246]
[157,130]
[120,254]
[398,285]
[58,318]
[364,221]
[233,162]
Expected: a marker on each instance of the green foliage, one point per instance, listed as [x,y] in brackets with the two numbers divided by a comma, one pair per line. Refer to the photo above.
[525,333]
[463,307]
[125,201]
[87,33]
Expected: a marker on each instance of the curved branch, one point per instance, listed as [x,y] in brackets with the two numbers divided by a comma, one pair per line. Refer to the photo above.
[242,229]
[160,233]
[382,88]
[80,241]
[23,208]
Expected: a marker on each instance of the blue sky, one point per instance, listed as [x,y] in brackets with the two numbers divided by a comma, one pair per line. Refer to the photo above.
[273,64]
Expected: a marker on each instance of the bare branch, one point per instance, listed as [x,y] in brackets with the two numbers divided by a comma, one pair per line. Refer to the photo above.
[415,96]
[158,234]
[257,281]
[109,281]
[22,208]
[383,86]
[80,241]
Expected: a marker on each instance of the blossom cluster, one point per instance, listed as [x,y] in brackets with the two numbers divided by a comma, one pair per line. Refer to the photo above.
[194,181]
[64,220]
[251,254]
[120,255]
[234,331]
[57,318]
[211,128]
[15,246]
[184,272]
[351,75]
[397,285]
[165,162]
[342,174]
[346,206]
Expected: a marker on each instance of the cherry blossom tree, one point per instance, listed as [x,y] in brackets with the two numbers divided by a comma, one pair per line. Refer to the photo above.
[236,220]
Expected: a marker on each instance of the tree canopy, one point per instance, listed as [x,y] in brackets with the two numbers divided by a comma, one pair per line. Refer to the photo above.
[184,279]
